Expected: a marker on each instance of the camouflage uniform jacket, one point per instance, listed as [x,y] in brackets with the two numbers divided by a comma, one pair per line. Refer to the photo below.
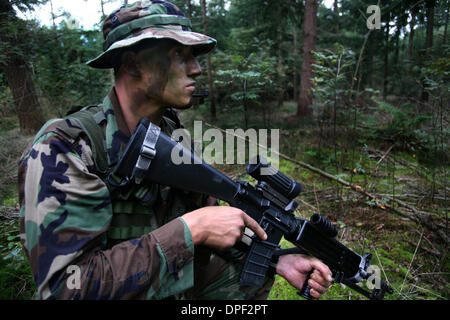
[72,226]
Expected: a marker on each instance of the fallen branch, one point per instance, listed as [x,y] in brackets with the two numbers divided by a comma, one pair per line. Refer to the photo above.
[411,195]
[384,156]
[430,251]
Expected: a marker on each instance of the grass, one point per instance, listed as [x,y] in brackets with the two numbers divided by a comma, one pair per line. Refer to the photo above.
[16,279]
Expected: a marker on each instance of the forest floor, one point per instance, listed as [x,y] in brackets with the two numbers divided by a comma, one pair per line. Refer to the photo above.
[411,258]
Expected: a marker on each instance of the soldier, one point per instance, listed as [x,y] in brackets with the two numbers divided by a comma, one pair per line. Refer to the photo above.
[147,242]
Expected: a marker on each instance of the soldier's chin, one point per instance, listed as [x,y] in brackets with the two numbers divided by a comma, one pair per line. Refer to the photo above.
[184,106]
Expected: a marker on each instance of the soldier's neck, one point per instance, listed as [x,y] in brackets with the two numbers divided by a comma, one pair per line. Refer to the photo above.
[136,104]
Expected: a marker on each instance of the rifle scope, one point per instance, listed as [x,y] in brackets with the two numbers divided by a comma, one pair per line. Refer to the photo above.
[276,179]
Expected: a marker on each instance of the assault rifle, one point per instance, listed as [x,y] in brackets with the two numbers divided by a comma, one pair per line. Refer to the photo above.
[148,158]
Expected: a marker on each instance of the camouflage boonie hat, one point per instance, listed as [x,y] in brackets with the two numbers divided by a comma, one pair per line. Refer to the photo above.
[147,20]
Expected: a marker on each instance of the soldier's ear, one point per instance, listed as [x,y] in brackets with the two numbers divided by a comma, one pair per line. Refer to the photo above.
[130,64]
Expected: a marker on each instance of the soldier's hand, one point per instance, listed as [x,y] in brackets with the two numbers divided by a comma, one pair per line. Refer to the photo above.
[295,268]
[220,226]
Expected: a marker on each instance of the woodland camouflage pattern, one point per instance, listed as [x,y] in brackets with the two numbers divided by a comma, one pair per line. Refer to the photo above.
[147,20]
[69,217]
[128,244]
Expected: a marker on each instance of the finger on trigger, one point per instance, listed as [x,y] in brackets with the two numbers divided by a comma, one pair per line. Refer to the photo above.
[255,227]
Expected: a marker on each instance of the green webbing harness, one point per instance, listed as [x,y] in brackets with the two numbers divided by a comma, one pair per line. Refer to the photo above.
[92,121]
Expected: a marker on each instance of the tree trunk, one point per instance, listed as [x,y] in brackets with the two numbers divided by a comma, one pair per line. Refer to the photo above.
[103,8]
[296,7]
[430,24]
[309,44]
[295,62]
[53,14]
[397,46]
[208,61]
[18,73]
[29,111]
[411,35]
[386,59]
[189,6]
[444,41]
[429,38]
[280,71]
[336,12]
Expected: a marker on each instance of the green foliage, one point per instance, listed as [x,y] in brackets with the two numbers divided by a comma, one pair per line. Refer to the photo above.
[60,68]
[246,81]
[13,252]
[8,118]
[254,20]
[397,123]
[16,279]
[332,82]
[436,75]
[408,129]
[27,4]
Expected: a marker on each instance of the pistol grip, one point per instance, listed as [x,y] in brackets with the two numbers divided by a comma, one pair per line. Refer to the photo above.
[305,292]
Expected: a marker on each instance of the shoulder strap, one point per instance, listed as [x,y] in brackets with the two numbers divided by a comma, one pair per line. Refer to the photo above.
[91,120]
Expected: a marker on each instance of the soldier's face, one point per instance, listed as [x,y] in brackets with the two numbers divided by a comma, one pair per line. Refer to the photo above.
[169,72]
